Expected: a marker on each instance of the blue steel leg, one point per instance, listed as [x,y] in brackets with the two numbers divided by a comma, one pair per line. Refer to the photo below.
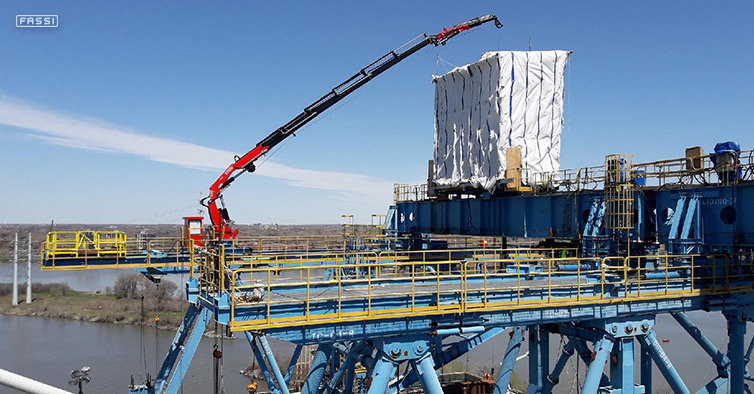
[554,377]
[736,332]
[586,356]
[539,359]
[426,370]
[185,343]
[273,364]
[317,370]
[717,356]
[382,371]
[509,360]
[663,363]
[292,363]
[451,353]
[344,366]
[350,372]
[594,374]
[622,372]
[262,364]
[646,370]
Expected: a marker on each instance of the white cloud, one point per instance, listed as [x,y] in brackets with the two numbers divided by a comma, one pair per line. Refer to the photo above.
[88,133]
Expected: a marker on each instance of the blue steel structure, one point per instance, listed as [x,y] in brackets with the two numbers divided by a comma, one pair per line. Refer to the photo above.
[613,252]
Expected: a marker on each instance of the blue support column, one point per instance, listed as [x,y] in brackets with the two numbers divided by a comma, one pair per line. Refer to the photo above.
[509,360]
[646,370]
[292,363]
[554,377]
[282,386]
[185,343]
[425,367]
[317,370]
[663,363]
[586,355]
[345,366]
[718,357]
[451,353]
[539,359]
[622,371]
[736,332]
[594,374]
[262,364]
[382,372]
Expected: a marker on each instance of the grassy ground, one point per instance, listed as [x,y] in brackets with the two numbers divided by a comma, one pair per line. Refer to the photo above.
[59,301]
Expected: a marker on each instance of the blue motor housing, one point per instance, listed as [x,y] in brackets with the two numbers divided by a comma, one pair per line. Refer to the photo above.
[725,160]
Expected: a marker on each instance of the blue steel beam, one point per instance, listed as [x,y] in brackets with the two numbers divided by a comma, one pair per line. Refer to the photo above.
[645,372]
[425,368]
[594,374]
[720,359]
[383,370]
[622,371]
[451,353]
[736,333]
[281,383]
[261,362]
[509,360]
[554,377]
[663,363]
[539,359]
[564,214]
[292,363]
[180,353]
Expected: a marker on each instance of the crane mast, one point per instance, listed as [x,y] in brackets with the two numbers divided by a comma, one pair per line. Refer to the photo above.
[219,214]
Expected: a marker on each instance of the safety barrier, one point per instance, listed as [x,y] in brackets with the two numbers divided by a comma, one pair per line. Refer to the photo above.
[682,171]
[393,284]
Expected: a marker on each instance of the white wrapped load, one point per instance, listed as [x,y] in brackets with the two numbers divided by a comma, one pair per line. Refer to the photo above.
[506,99]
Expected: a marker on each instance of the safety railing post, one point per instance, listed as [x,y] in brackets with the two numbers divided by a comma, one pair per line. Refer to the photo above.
[308,293]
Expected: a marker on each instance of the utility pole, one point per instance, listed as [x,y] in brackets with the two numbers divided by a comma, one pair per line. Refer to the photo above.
[15,272]
[28,274]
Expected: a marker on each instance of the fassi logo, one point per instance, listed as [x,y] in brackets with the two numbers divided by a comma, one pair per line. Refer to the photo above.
[36,21]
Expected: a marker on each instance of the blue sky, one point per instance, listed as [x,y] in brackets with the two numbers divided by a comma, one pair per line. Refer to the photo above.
[647,78]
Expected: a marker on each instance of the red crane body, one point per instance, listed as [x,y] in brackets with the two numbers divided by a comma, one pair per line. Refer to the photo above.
[219,215]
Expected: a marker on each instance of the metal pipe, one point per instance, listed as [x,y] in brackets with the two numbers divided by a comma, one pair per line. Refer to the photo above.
[26,385]
[662,275]
[663,363]
[509,360]
[273,364]
[594,373]
[457,331]
[426,370]
[317,370]
[720,359]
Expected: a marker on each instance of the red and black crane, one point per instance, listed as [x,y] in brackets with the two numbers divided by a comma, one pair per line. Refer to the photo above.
[219,215]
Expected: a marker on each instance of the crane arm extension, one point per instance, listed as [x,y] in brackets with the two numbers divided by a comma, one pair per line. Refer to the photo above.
[245,163]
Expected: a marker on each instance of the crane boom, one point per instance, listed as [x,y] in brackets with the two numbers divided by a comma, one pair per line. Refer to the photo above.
[219,215]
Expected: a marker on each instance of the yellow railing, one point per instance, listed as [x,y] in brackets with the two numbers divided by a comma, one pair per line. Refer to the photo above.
[681,171]
[88,249]
[480,282]
[85,243]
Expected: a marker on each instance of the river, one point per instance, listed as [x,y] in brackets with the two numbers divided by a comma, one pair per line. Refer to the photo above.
[47,349]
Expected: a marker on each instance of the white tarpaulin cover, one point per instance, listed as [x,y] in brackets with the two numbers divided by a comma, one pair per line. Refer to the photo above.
[506,99]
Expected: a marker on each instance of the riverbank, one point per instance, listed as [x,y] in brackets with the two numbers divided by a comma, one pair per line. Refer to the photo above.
[59,301]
